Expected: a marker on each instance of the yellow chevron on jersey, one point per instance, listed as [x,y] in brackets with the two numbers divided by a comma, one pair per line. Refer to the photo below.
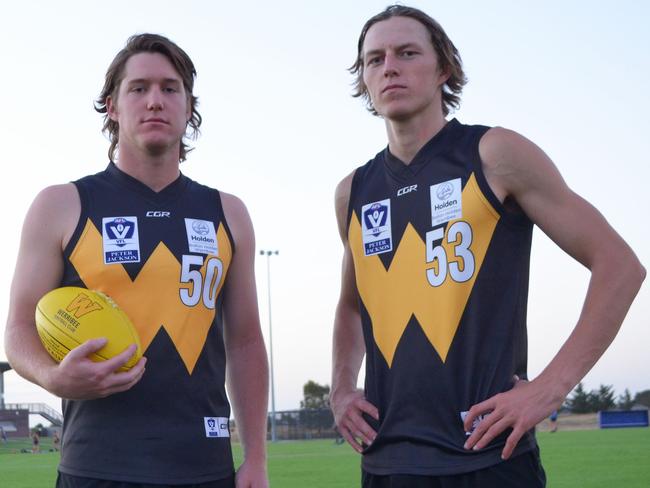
[151,300]
[392,296]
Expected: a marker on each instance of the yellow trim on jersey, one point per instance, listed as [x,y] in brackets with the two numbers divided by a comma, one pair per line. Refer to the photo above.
[392,296]
[152,299]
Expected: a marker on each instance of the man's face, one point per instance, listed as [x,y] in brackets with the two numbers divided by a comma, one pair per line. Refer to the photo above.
[400,69]
[151,106]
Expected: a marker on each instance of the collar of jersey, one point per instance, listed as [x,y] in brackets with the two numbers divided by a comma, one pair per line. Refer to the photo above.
[170,192]
[433,147]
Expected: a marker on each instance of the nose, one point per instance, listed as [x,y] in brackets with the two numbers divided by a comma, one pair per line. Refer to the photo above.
[155,100]
[391,65]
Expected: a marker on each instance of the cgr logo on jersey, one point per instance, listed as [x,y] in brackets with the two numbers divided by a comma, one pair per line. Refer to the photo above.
[446,202]
[201,236]
[376,228]
[216,426]
[120,240]
[407,189]
[158,213]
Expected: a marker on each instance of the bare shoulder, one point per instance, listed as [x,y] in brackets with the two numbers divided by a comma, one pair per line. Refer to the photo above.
[342,193]
[513,164]
[233,206]
[237,217]
[49,224]
[342,200]
[500,147]
[58,204]
[58,196]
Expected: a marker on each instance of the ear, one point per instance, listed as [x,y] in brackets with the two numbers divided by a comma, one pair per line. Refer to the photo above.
[443,75]
[111,108]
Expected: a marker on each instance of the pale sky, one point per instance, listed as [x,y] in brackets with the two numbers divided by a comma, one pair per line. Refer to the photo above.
[281,129]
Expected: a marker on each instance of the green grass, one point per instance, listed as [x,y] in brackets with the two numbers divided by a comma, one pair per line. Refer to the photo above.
[20,470]
[597,458]
[311,464]
[579,459]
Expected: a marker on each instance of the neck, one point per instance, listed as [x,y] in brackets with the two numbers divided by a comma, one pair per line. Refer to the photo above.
[406,137]
[155,171]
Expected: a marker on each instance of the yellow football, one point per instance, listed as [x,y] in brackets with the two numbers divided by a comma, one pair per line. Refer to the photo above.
[69,316]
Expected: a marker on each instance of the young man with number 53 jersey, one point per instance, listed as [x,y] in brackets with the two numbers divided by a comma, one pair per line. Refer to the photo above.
[437,230]
[177,257]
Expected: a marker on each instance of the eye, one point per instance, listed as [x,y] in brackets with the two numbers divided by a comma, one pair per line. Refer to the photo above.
[373,61]
[408,54]
[137,89]
[170,89]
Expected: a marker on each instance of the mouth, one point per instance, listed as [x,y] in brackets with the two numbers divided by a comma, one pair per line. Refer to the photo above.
[392,88]
[154,121]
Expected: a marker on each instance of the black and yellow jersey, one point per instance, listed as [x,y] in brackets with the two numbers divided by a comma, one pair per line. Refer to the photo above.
[163,257]
[442,274]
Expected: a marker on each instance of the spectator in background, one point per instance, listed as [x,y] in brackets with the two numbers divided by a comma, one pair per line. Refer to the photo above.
[36,439]
[56,440]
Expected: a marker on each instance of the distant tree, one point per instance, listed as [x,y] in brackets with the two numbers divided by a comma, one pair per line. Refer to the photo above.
[593,401]
[605,398]
[642,398]
[579,401]
[315,395]
[625,401]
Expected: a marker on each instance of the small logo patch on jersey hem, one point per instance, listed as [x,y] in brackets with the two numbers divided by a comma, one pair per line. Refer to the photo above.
[475,423]
[376,230]
[120,240]
[201,236]
[216,426]
[446,201]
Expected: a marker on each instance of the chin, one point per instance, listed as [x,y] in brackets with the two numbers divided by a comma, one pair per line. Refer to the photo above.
[156,148]
[402,112]
[397,114]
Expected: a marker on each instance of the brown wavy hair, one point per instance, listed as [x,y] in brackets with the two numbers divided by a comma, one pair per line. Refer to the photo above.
[448,57]
[149,43]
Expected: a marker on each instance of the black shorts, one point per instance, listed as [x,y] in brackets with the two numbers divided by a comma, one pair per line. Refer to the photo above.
[68,481]
[523,471]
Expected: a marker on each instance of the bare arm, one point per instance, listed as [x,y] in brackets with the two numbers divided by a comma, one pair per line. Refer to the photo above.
[516,167]
[49,224]
[347,401]
[247,367]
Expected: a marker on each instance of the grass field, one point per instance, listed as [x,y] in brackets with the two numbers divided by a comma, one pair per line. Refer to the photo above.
[578,459]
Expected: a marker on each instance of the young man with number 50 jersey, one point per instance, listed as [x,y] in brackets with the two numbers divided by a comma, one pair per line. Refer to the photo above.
[177,257]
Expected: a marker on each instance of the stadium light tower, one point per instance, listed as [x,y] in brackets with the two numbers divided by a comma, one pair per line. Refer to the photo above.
[268,255]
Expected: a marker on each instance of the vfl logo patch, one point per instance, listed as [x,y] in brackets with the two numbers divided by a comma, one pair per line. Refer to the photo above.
[376,228]
[201,236]
[446,202]
[120,240]
[216,426]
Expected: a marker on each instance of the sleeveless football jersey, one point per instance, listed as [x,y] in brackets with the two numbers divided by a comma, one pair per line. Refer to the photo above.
[442,274]
[163,257]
